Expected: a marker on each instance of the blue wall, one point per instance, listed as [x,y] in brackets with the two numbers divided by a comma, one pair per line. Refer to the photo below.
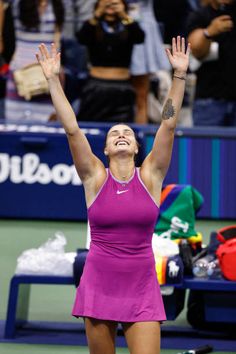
[206,159]
[37,178]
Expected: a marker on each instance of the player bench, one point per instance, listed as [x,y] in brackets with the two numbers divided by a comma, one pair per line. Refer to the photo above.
[219,298]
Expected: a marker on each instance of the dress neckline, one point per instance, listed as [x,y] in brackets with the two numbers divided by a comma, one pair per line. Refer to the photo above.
[120,181]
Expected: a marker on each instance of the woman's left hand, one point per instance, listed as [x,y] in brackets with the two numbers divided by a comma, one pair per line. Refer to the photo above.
[179,56]
[49,61]
[119,8]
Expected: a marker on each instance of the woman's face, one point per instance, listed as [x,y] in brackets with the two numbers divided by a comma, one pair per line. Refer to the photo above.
[121,140]
[113,7]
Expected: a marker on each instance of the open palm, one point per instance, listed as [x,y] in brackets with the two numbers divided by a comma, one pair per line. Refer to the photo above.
[179,55]
[49,61]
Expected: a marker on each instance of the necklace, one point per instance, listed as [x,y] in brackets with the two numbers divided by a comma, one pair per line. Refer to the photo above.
[124,179]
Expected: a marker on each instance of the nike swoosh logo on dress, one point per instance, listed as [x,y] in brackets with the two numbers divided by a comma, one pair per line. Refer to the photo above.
[120,192]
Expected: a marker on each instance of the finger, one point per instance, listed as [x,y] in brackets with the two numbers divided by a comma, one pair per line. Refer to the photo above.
[38,58]
[53,50]
[173,45]
[168,52]
[178,44]
[183,45]
[41,54]
[58,56]
[225,17]
[188,51]
[45,51]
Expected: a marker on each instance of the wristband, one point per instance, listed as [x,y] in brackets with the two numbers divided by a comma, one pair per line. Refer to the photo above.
[179,77]
[206,34]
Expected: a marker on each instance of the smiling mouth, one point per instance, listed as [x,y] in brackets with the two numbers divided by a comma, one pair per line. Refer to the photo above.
[122,142]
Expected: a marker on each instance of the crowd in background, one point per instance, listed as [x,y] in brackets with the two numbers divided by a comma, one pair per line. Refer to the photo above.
[115,67]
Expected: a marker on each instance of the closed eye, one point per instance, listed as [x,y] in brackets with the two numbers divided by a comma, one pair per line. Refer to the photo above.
[114,133]
[128,132]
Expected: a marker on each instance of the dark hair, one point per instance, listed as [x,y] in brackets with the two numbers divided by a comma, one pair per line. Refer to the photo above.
[136,139]
[29,15]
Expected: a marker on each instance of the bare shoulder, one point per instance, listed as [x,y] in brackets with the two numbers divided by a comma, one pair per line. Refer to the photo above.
[152,181]
[94,183]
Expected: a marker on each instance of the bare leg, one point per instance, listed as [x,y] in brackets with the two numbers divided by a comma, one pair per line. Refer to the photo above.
[143,337]
[101,336]
[141,86]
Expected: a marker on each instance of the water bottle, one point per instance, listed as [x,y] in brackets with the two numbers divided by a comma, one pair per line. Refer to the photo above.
[214,270]
[201,266]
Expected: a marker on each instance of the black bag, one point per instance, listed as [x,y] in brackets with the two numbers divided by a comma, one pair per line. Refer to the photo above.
[185,253]
[78,265]
[196,315]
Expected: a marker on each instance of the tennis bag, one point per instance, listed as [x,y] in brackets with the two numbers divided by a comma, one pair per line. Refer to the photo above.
[226,252]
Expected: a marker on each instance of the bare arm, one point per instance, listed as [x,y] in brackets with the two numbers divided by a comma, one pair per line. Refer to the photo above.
[201,38]
[86,163]
[156,164]
[200,45]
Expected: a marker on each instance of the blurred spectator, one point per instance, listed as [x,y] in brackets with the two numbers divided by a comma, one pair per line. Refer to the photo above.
[109,36]
[195,4]
[7,47]
[35,21]
[84,9]
[74,55]
[147,58]
[212,34]
[173,15]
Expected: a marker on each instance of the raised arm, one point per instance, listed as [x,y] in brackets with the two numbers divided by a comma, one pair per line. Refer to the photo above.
[87,164]
[156,164]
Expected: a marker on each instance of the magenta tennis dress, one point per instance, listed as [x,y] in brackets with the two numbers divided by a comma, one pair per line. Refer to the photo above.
[119,280]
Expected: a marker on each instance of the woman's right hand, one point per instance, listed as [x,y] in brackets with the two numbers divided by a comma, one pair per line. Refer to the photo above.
[220,24]
[49,61]
[119,8]
[101,8]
